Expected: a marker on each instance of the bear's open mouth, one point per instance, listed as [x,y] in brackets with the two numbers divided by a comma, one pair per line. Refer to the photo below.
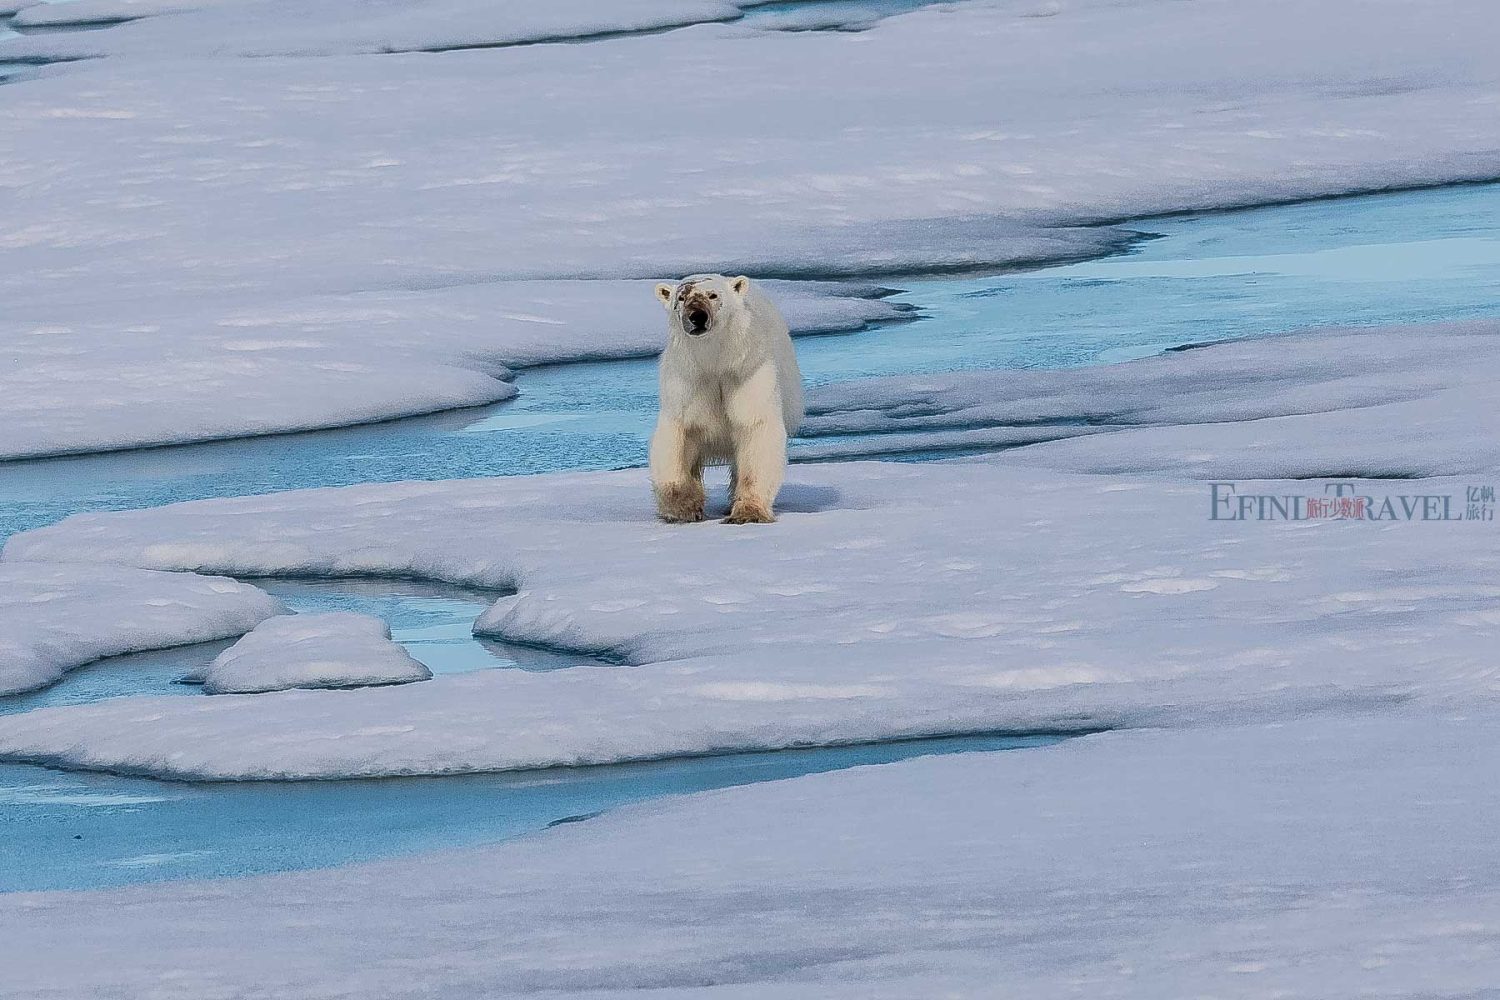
[695,321]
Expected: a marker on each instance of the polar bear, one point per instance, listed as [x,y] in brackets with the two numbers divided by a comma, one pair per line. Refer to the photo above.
[730,392]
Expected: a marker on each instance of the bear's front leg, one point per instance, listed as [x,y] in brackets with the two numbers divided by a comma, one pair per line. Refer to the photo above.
[676,474]
[759,449]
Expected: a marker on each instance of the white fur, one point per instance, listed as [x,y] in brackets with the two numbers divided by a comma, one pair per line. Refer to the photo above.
[732,394]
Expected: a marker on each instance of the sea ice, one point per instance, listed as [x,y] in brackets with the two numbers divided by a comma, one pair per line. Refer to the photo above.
[336,649]
[1332,856]
[233,370]
[56,616]
[228,28]
[1391,402]
[372,216]
[890,601]
[346,180]
[73,13]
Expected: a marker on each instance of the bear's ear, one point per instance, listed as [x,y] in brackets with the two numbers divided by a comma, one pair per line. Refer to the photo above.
[664,292]
[739,285]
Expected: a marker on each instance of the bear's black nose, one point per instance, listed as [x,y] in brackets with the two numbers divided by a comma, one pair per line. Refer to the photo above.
[697,319]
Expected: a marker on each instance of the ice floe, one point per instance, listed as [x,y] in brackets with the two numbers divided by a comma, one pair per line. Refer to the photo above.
[298,364]
[54,617]
[1393,402]
[1331,855]
[81,13]
[334,649]
[223,28]
[890,601]
[563,160]
[374,174]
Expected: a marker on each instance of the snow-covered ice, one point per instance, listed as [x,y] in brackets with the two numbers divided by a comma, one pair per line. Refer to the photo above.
[306,363]
[77,13]
[413,175]
[412,179]
[1296,799]
[1402,402]
[352,175]
[335,649]
[890,601]
[226,28]
[1336,856]
[54,617]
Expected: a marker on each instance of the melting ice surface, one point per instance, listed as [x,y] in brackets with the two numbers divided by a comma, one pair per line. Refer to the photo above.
[1394,258]
[76,831]
[71,831]
[1405,257]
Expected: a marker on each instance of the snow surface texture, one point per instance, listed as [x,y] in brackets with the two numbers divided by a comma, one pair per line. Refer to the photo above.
[292,28]
[1333,857]
[349,175]
[890,601]
[337,649]
[1387,403]
[79,13]
[56,617]
[333,360]
[410,175]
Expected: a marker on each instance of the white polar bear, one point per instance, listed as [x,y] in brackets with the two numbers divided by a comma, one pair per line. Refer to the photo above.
[730,392]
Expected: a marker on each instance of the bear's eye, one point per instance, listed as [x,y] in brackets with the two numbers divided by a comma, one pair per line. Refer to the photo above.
[713,295]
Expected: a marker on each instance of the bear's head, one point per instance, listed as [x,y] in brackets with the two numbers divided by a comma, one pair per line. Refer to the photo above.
[697,301]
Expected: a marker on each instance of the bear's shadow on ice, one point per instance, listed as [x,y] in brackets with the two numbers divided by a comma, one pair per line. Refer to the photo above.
[805,498]
[794,498]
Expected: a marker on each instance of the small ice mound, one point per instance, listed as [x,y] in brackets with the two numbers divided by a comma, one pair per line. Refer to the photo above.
[338,649]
